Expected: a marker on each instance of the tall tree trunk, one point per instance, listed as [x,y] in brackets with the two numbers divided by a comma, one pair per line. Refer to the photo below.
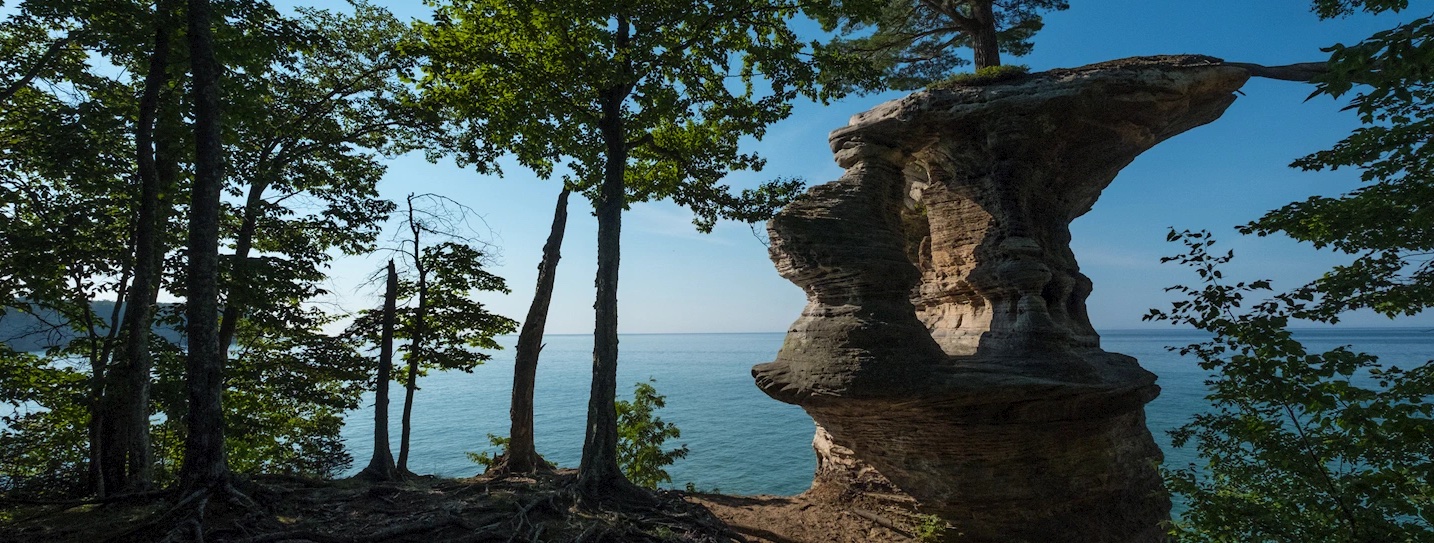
[99,380]
[95,476]
[205,466]
[128,460]
[986,49]
[99,368]
[381,466]
[598,472]
[415,346]
[522,454]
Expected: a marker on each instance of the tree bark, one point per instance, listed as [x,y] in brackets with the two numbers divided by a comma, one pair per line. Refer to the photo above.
[986,50]
[415,346]
[205,465]
[381,466]
[126,455]
[99,366]
[598,472]
[522,453]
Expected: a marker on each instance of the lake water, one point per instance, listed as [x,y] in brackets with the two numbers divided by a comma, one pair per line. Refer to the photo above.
[741,441]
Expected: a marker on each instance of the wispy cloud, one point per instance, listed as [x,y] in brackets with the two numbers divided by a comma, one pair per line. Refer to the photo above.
[668,220]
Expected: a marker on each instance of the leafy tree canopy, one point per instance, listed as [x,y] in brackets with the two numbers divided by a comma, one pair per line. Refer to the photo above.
[1386,224]
[1333,446]
[1300,445]
[912,43]
[531,78]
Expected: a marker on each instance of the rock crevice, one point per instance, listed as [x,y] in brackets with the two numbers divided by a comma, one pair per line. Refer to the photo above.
[945,341]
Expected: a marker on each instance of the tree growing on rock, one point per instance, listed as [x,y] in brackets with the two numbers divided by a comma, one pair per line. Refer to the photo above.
[639,101]
[912,42]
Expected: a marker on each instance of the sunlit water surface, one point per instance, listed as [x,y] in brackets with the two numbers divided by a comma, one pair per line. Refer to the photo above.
[741,441]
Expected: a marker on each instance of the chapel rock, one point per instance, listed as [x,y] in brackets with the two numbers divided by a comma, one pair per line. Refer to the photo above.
[945,342]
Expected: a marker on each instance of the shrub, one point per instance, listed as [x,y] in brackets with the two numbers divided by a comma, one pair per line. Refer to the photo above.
[641,435]
[989,75]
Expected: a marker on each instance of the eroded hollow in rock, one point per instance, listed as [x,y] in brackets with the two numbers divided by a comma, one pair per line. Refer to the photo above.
[945,343]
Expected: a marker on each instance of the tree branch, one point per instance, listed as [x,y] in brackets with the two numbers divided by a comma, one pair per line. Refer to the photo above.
[45,59]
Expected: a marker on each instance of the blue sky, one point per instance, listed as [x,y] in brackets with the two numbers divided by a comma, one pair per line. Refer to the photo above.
[674,279]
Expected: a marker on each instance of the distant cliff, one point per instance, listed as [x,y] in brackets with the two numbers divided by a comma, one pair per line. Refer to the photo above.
[44,329]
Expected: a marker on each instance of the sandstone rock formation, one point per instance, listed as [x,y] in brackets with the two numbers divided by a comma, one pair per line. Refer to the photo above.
[945,341]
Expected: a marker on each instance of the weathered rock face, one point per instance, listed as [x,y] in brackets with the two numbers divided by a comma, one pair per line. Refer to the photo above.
[945,341]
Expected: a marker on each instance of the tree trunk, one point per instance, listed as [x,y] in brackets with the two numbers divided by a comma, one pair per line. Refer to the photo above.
[126,455]
[381,466]
[99,366]
[986,49]
[205,466]
[415,346]
[522,454]
[598,472]
[411,385]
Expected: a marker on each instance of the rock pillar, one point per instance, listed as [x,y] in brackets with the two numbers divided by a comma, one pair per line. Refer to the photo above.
[945,342]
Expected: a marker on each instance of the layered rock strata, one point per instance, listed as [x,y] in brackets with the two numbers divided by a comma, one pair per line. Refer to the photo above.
[945,340]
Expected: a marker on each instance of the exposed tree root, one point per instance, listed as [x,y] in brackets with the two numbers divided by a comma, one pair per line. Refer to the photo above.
[882,521]
[480,510]
[502,467]
[134,496]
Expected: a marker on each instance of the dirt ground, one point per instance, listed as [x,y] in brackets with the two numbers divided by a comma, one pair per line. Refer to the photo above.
[778,519]
[429,510]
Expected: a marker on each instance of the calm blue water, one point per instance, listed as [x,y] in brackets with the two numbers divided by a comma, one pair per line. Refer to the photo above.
[741,441]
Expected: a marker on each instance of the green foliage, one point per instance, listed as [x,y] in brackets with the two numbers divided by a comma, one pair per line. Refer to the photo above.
[641,436]
[529,78]
[1386,224]
[1329,446]
[989,75]
[488,458]
[285,403]
[910,43]
[691,488]
[930,529]
[1299,446]
[1341,8]
[312,101]
[42,437]
[457,330]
